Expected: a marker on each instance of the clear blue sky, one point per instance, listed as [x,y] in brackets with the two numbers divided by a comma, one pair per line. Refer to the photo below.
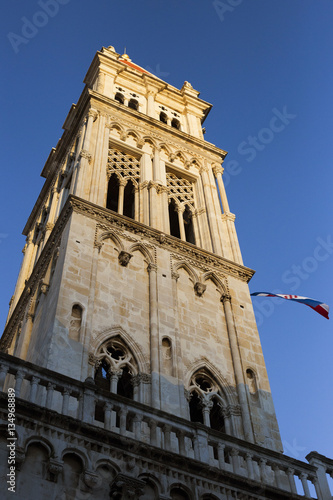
[252,62]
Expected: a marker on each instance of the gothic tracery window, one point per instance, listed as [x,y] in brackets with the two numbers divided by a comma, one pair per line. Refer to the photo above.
[205,404]
[123,172]
[115,368]
[181,207]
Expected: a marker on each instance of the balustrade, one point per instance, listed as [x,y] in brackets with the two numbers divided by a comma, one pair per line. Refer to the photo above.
[134,420]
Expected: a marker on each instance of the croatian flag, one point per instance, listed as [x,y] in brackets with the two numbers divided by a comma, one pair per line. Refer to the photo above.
[316,305]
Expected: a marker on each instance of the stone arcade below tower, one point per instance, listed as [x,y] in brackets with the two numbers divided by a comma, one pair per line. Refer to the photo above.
[131,340]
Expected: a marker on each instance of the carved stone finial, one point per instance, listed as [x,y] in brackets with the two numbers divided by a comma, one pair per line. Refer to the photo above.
[124,258]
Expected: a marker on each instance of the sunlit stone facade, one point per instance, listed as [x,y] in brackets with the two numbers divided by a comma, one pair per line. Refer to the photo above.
[131,340]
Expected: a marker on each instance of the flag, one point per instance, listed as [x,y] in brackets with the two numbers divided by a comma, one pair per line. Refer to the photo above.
[316,305]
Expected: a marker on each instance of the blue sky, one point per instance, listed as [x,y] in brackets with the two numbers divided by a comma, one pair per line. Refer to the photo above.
[254,61]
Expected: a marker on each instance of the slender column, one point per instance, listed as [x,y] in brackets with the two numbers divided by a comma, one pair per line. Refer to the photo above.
[27,332]
[181,442]
[235,460]
[154,337]
[82,188]
[238,370]
[318,489]
[151,104]
[114,377]
[33,389]
[3,373]
[218,171]
[18,383]
[180,211]
[220,454]
[263,472]
[137,426]
[291,479]
[323,485]
[107,416]
[214,231]
[53,206]
[206,407]
[249,465]
[153,432]
[196,231]
[122,420]
[122,185]
[49,395]
[277,476]
[65,401]
[136,203]
[206,240]
[167,437]
[202,442]
[304,479]
[99,165]
[24,271]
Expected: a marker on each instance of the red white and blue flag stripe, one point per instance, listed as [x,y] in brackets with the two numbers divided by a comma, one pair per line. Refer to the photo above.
[316,305]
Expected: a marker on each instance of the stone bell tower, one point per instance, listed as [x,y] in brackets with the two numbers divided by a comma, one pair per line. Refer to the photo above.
[131,318]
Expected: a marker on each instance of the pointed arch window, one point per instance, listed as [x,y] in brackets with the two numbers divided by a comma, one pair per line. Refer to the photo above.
[116,368]
[129,199]
[206,401]
[188,223]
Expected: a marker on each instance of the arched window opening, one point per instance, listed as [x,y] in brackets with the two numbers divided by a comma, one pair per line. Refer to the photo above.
[196,409]
[216,418]
[251,381]
[102,379]
[173,218]
[113,193]
[133,104]
[129,200]
[125,386]
[163,117]
[75,323]
[167,355]
[119,97]
[71,472]
[175,123]
[149,492]
[179,494]
[188,224]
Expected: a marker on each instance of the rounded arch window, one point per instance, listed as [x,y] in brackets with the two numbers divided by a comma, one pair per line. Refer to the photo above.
[133,104]
[163,117]
[119,97]
[251,381]
[175,123]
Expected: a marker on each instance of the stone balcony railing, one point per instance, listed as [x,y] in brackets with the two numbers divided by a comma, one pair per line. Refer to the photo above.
[87,403]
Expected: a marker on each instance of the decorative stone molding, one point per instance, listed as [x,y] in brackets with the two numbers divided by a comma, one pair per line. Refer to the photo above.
[44,288]
[141,378]
[152,267]
[199,288]
[54,468]
[124,258]
[85,154]
[90,479]
[126,487]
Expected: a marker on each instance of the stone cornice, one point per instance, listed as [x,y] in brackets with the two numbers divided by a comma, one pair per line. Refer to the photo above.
[184,249]
[207,146]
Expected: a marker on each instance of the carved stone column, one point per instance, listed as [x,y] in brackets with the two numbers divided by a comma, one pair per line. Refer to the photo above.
[154,336]
[236,359]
